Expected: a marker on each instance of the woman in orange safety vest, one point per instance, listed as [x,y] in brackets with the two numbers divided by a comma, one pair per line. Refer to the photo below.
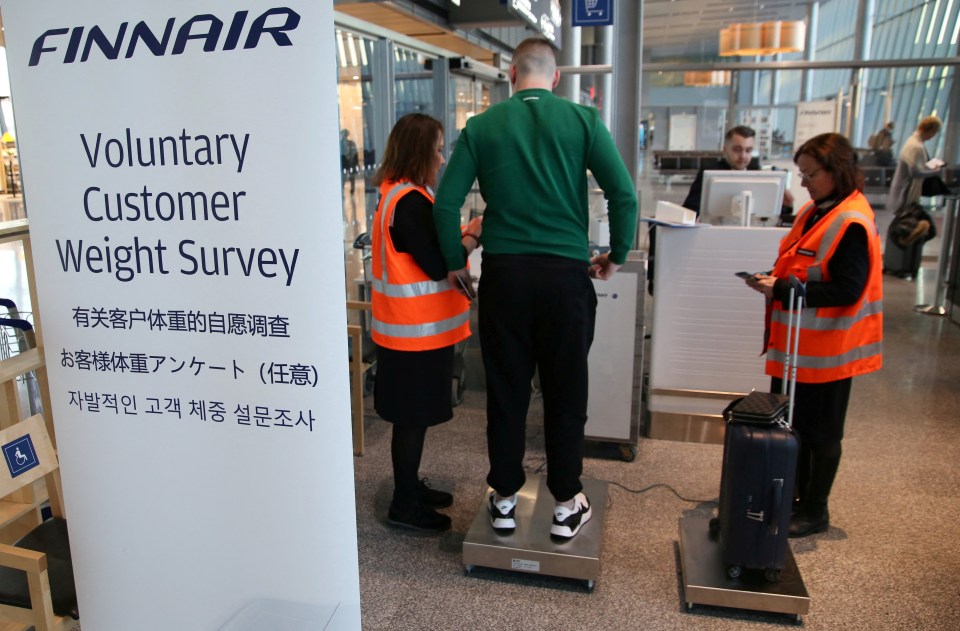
[417,315]
[833,249]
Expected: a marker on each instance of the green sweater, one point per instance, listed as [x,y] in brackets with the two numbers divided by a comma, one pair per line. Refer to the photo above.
[530,156]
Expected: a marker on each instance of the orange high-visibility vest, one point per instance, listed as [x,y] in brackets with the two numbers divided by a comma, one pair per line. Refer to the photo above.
[411,312]
[835,342]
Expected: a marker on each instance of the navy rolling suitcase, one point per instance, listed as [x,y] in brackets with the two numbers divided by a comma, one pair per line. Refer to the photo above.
[902,261]
[759,466]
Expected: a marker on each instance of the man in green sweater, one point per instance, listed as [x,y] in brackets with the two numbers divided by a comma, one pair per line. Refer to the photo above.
[537,306]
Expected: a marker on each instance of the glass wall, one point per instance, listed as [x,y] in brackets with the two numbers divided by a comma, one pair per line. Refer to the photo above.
[413,91]
[357,153]
[902,29]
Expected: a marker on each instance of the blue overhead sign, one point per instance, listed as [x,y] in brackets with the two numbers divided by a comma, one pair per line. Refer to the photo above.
[592,12]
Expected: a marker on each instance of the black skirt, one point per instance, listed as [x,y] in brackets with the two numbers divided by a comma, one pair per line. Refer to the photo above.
[414,387]
[819,410]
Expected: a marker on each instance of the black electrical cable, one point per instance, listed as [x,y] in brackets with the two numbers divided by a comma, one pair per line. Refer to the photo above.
[540,467]
[663,485]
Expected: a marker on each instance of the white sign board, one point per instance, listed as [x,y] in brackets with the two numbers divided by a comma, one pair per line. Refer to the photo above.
[708,325]
[683,132]
[814,118]
[178,161]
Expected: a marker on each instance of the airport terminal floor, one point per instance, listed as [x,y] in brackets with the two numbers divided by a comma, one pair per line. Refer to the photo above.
[888,561]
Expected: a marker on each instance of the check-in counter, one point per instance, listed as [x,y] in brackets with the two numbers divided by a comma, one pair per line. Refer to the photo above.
[706,327]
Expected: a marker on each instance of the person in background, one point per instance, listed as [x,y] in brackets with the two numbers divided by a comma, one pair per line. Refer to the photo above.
[738,144]
[881,144]
[833,249]
[349,159]
[913,166]
[417,315]
[537,305]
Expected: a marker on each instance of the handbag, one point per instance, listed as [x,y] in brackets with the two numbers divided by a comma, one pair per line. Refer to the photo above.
[910,224]
[933,186]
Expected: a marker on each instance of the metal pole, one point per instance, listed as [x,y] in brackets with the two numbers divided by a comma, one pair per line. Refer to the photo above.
[938,308]
[569,87]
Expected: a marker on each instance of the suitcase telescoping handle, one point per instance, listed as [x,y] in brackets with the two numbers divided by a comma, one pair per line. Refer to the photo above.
[792,346]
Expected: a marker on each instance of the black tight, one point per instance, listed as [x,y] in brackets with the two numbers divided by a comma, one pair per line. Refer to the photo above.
[406,449]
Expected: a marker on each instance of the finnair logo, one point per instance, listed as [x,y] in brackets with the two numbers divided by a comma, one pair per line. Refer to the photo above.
[67,45]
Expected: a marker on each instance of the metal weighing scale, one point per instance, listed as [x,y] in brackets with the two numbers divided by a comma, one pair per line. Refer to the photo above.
[530,548]
[705,580]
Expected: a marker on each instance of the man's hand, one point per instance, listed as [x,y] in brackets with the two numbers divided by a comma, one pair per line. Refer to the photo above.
[602,267]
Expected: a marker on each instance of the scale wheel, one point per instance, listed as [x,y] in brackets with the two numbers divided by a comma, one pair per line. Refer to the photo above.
[590,585]
[797,619]
[772,575]
[468,569]
[628,453]
[689,606]
[734,571]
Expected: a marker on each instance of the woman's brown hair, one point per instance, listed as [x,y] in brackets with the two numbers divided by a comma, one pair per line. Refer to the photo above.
[410,150]
[836,156]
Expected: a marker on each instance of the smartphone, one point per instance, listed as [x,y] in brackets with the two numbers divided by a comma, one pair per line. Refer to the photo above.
[745,275]
[467,288]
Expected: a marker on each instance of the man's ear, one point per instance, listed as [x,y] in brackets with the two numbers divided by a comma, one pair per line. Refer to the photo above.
[556,78]
[513,75]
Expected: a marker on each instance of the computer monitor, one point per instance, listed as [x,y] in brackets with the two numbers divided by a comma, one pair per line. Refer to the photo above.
[742,198]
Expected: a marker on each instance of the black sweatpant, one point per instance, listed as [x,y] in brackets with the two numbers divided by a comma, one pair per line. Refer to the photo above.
[536,312]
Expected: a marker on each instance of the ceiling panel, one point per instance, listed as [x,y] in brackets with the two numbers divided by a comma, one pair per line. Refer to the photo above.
[690,28]
[671,28]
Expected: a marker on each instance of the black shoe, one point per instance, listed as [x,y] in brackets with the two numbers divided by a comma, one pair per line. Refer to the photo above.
[418,518]
[809,522]
[567,522]
[432,498]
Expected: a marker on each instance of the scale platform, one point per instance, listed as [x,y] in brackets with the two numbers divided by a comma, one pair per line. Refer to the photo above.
[530,548]
[705,580]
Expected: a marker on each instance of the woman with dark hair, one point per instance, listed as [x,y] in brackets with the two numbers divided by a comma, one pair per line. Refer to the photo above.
[833,249]
[417,315]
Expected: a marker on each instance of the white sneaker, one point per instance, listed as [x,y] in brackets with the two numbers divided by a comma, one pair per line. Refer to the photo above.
[502,513]
[568,521]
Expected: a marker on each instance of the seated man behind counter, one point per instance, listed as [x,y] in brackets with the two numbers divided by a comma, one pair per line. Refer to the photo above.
[737,156]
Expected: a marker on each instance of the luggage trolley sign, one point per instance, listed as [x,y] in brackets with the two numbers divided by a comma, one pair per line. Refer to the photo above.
[592,12]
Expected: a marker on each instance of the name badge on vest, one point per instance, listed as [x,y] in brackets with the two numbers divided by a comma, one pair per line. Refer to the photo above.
[803,252]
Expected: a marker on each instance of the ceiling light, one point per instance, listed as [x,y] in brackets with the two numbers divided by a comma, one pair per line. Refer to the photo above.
[762,38]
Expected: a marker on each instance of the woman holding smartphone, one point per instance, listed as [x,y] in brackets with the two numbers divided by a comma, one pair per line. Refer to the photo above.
[418,316]
[833,249]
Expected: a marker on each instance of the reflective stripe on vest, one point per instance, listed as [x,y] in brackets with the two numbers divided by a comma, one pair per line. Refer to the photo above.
[387,202]
[815,272]
[405,303]
[410,290]
[425,329]
[858,353]
[811,321]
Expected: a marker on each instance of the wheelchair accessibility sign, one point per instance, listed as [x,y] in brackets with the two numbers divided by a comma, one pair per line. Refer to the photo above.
[20,455]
